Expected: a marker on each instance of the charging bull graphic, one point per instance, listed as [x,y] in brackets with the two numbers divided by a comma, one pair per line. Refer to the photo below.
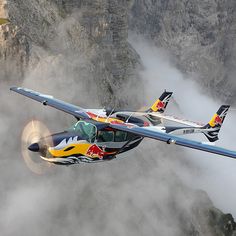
[95,151]
[218,118]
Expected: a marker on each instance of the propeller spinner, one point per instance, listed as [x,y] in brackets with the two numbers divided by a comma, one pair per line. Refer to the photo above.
[35,138]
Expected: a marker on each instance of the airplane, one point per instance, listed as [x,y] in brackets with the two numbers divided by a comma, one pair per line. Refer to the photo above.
[101,135]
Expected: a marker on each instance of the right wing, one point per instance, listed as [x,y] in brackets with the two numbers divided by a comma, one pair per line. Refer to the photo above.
[48,100]
[150,132]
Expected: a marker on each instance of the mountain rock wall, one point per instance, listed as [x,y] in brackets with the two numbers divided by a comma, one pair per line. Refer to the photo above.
[14,48]
[199,34]
[98,30]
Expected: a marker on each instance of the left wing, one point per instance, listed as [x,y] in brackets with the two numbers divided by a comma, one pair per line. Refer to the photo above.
[49,100]
[157,117]
[150,132]
[152,116]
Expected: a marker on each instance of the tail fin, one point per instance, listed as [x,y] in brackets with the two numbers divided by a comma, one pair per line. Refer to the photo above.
[212,129]
[161,103]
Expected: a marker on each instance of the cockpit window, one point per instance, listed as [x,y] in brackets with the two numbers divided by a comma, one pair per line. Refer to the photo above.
[120,136]
[86,130]
[105,136]
[111,136]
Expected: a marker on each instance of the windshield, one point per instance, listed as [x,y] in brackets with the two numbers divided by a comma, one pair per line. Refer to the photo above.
[86,130]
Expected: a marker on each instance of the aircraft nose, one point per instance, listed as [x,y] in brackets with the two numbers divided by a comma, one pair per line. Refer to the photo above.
[34,147]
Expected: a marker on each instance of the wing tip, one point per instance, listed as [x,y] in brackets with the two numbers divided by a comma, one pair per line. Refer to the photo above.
[14,88]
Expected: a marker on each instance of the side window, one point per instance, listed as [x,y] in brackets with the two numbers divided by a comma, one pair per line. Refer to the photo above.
[130,136]
[105,136]
[120,136]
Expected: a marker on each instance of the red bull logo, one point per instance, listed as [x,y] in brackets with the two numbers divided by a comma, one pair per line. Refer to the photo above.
[218,120]
[95,151]
[160,105]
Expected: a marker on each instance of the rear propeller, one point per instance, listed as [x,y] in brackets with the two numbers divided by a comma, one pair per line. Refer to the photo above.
[34,143]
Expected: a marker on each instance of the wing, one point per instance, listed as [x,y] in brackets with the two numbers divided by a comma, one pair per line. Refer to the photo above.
[78,112]
[173,118]
[153,116]
[149,132]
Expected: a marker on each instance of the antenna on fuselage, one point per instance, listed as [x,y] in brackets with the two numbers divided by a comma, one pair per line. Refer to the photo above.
[129,117]
[110,114]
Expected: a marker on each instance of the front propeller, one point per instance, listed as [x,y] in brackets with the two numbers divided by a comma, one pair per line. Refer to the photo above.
[36,139]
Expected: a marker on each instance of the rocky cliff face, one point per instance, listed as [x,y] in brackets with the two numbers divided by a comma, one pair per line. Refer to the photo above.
[96,29]
[199,34]
[87,41]
[14,50]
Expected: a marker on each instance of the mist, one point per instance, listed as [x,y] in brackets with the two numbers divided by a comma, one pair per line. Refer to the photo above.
[214,174]
[149,191]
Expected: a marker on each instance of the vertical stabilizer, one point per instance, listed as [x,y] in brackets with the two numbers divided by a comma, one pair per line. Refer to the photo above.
[213,127]
[161,103]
